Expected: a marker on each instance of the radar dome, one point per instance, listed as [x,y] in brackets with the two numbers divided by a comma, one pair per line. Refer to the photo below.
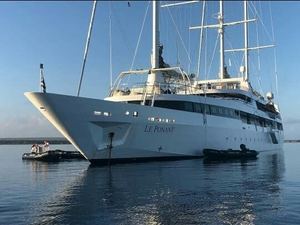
[270,95]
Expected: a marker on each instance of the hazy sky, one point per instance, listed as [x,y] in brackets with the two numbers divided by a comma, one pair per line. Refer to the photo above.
[54,33]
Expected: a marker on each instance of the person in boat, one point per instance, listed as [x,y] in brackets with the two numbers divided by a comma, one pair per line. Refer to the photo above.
[39,149]
[243,148]
[34,149]
[46,146]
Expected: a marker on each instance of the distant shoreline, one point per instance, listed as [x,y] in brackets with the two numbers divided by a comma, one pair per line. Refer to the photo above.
[292,141]
[28,141]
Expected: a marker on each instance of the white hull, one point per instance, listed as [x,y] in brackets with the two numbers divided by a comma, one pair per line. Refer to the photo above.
[87,123]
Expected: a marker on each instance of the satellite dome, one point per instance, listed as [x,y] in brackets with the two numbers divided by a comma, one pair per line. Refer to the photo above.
[270,95]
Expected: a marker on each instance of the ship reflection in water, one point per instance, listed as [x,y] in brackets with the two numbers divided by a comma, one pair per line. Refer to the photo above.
[180,192]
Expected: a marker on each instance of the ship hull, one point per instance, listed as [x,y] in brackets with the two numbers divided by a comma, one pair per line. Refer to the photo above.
[105,131]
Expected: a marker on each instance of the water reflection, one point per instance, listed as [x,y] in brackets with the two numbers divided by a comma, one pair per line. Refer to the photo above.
[181,192]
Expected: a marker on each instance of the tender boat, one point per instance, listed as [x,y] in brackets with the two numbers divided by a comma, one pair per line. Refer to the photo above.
[43,153]
[229,154]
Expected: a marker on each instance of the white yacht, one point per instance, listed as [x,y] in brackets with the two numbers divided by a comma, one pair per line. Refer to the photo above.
[172,114]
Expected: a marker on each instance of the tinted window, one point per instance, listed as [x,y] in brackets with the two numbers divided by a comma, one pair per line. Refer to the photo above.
[198,108]
[179,105]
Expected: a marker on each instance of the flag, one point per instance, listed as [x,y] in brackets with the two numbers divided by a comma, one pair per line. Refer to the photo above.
[43,84]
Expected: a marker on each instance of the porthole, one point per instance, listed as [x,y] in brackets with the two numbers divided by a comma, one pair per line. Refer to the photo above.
[135,114]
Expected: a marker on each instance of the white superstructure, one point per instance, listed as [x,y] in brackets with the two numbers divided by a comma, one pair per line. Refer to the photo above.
[171,115]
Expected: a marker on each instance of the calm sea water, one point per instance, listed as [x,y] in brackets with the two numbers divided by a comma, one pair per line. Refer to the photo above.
[263,191]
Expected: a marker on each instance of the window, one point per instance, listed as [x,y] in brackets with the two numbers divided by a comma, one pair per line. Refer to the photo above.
[134,102]
[237,113]
[207,109]
[106,113]
[279,126]
[198,108]
[213,110]
[244,117]
[189,107]
[135,114]
[97,113]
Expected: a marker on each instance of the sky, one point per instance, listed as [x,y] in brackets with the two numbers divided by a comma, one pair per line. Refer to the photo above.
[54,33]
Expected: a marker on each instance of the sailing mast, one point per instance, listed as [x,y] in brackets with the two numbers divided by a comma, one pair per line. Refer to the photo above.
[155,35]
[246,70]
[87,44]
[153,77]
[221,33]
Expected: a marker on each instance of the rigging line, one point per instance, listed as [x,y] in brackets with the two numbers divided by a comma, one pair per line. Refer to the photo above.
[232,53]
[189,40]
[87,45]
[168,34]
[164,38]
[274,50]
[260,86]
[258,16]
[257,44]
[140,35]
[276,72]
[120,29]
[110,47]
[258,51]
[205,53]
[183,45]
[257,74]
[177,54]
[206,76]
[201,38]
[213,55]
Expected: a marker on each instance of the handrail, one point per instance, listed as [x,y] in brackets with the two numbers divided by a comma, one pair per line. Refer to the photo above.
[117,82]
[170,88]
[180,84]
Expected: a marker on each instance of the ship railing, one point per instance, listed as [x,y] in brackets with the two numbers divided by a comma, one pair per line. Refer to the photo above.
[174,74]
[145,88]
[180,83]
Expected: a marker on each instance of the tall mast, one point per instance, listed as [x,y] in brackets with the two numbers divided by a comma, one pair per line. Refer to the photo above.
[155,35]
[221,33]
[87,44]
[154,76]
[246,72]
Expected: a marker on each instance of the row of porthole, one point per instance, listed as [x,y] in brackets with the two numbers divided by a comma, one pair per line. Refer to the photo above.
[245,139]
[156,119]
[162,120]
[135,113]
[98,113]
